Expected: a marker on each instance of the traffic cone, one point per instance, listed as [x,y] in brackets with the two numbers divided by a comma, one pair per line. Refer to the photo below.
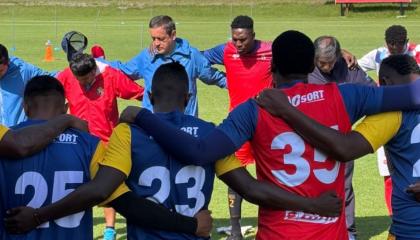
[48,57]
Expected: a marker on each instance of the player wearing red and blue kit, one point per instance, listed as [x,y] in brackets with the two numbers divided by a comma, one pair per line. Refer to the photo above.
[248,71]
[248,68]
[282,157]
[398,131]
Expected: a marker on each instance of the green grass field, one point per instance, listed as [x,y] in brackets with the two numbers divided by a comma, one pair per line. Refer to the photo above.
[123,32]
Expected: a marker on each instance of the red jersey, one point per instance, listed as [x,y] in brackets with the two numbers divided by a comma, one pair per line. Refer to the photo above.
[286,160]
[98,104]
[246,76]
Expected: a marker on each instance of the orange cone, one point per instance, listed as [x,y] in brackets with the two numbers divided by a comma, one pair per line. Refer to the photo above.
[48,57]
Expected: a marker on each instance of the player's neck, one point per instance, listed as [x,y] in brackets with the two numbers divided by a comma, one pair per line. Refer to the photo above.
[168,107]
[279,79]
[44,114]
[414,76]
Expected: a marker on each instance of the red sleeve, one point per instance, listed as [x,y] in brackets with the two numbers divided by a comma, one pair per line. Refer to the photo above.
[62,76]
[125,87]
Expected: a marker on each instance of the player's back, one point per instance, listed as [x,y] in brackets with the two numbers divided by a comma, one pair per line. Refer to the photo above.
[285,159]
[46,177]
[157,176]
[404,157]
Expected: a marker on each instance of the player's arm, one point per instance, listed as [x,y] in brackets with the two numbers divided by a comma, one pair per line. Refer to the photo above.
[206,73]
[360,100]
[341,146]
[29,140]
[148,214]
[33,71]
[130,68]
[125,87]
[215,55]
[266,194]
[235,130]
[361,77]
[367,62]
[349,58]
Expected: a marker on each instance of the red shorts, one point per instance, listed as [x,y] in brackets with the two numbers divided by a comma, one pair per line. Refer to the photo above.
[244,154]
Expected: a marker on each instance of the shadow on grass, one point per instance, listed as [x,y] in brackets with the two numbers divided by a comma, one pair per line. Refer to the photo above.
[223,222]
[368,227]
[121,232]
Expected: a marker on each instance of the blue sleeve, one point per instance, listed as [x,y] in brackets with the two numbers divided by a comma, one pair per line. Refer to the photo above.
[206,72]
[361,100]
[130,68]
[364,100]
[33,71]
[241,123]
[184,147]
[401,97]
[215,55]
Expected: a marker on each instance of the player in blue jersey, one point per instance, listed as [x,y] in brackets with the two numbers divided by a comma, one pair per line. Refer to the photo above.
[185,188]
[292,61]
[49,175]
[397,131]
[57,170]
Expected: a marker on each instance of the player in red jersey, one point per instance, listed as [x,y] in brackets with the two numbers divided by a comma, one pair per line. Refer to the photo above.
[248,63]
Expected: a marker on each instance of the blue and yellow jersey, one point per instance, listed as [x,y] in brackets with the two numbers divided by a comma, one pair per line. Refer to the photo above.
[48,176]
[154,174]
[400,133]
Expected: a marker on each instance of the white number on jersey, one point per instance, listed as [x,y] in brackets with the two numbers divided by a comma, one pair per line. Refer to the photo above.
[303,168]
[39,184]
[415,138]
[183,176]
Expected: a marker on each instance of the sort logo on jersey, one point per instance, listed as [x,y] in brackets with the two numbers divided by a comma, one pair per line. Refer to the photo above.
[308,217]
[191,130]
[314,96]
[66,138]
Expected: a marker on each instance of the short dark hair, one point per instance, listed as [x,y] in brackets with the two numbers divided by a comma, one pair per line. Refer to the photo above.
[242,22]
[82,64]
[170,80]
[403,64]
[42,85]
[395,33]
[293,53]
[4,54]
[165,21]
